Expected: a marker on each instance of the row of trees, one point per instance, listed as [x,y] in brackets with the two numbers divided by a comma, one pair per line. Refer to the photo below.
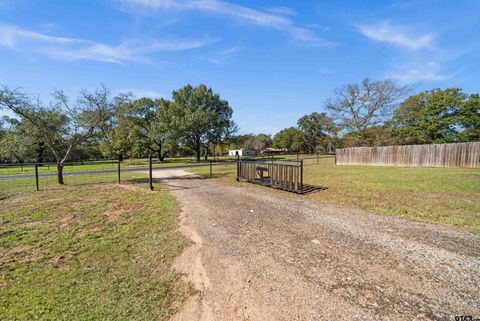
[194,120]
[197,121]
[375,113]
[97,124]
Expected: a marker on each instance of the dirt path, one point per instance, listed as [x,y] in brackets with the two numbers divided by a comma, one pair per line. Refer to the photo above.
[260,255]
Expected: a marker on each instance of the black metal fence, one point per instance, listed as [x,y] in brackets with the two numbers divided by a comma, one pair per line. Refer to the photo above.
[27,177]
[285,174]
[282,173]
[43,176]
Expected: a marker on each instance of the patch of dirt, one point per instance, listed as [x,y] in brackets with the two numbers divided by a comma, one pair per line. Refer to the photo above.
[115,212]
[267,256]
[132,187]
[62,259]
[191,267]
[21,253]
[90,230]
[19,249]
[32,224]
[68,221]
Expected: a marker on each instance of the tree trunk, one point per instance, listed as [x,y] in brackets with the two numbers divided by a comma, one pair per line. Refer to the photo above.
[40,151]
[197,150]
[206,153]
[60,173]
[161,157]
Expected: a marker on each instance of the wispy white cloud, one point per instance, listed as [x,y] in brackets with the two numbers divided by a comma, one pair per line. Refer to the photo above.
[66,48]
[230,51]
[220,57]
[262,18]
[11,36]
[397,35]
[281,10]
[429,71]
[308,38]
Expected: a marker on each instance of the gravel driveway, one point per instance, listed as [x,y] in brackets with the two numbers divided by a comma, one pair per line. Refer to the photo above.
[263,255]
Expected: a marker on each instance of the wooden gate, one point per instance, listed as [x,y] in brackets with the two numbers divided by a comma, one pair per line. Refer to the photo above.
[282,174]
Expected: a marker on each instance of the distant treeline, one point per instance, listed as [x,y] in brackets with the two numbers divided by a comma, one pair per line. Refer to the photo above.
[379,113]
[198,122]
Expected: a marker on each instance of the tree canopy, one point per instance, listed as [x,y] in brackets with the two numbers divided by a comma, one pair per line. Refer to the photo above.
[62,126]
[202,117]
[358,107]
[316,129]
[290,138]
[146,126]
[437,116]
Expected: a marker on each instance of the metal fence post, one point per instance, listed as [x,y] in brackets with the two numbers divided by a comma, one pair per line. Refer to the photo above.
[238,168]
[150,172]
[301,176]
[36,177]
[118,171]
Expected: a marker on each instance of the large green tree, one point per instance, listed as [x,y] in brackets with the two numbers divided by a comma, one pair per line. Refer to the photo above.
[22,141]
[373,136]
[468,118]
[318,130]
[290,138]
[365,105]
[203,118]
[251,141]
[147,126]
[437,116]
[62,125]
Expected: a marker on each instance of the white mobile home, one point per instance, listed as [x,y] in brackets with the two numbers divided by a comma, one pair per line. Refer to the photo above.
[242,152]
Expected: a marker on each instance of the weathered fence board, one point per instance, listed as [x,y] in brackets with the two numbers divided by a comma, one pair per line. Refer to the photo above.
[434,155]
[287,175]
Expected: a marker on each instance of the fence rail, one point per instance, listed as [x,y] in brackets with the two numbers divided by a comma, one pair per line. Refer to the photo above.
[285,174]
[434,155]
[17,178]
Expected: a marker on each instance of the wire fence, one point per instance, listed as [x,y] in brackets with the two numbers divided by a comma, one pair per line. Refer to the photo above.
[18,178]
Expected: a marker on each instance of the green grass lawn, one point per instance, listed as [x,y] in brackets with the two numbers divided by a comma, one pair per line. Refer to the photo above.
[46,183]
[449,196]
[91,252]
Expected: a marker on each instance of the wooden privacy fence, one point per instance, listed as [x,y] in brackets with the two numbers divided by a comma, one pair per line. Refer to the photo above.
[282,174]
[435,155]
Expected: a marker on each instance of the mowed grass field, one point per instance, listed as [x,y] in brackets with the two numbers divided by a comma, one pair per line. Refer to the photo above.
[449,196]
[90,252]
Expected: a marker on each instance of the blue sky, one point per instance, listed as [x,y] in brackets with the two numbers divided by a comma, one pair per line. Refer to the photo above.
[274,61]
